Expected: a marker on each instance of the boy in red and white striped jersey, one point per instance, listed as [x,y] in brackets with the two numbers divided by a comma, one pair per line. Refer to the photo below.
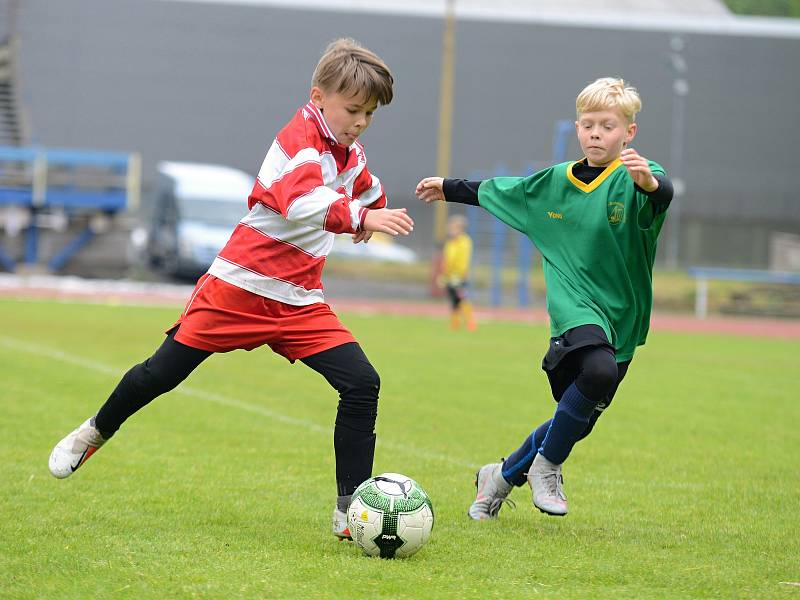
[264,286]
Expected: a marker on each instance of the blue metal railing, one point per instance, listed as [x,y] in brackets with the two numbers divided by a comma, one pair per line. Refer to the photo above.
[703,275]
[74,181]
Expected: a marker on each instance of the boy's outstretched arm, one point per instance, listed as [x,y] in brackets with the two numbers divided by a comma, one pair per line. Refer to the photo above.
[504,197]
[430,189]
[436,189]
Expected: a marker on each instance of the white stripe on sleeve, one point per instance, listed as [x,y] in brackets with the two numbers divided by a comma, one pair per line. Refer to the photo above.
[372,194]
[311,208]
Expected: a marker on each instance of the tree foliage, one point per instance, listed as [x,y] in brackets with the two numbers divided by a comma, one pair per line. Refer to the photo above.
[772,8]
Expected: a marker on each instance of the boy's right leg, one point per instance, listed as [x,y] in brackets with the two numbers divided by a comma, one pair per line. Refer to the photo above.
[492,491]
[455,306]
[469,315]
[493,482]
[517,465]
[160,373]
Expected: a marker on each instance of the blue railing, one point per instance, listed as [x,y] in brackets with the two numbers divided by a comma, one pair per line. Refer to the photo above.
[72,181]
[703,275]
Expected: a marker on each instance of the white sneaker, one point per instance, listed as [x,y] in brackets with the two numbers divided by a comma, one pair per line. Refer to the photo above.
[547,489]
[492,492]
[75,449]
[340,528]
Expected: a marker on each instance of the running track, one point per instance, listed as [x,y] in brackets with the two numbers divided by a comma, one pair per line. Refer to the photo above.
[150,294]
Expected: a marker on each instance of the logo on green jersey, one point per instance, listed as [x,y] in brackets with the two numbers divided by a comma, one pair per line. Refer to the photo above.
[554,215]
[616,213]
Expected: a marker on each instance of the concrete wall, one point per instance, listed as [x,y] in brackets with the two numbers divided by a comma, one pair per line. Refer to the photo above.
[208,82]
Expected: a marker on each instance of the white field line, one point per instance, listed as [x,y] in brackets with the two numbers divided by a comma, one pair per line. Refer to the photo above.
[91,365]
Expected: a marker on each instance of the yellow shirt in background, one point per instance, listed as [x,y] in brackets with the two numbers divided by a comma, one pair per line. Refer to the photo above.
[457,256]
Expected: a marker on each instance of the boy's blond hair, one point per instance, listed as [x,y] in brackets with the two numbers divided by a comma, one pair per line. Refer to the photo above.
[346,67]
[609,93]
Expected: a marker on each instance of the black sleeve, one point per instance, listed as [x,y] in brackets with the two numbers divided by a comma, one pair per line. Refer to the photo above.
[662,195]
[462,191]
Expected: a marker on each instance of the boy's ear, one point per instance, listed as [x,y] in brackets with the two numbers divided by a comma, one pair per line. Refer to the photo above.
[631,133]
[317,96]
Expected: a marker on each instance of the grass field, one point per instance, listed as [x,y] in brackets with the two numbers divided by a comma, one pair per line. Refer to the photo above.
[688,488]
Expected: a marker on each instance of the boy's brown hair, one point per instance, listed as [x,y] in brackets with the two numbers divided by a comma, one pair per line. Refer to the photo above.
[346,67]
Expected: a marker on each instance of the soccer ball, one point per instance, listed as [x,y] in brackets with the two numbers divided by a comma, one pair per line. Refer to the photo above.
[390,516]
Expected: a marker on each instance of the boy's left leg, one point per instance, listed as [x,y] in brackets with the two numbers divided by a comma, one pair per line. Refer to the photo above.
[349,371]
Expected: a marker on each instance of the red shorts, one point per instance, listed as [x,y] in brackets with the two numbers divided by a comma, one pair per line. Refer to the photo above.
[221,317]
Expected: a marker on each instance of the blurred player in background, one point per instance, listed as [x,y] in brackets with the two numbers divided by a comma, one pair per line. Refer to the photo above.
[457,260]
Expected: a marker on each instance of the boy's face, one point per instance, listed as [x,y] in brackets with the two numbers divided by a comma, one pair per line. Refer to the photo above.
[454,229]
[348,116]
[603,134]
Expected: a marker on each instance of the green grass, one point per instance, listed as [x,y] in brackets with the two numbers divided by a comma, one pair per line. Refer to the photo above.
[688,488]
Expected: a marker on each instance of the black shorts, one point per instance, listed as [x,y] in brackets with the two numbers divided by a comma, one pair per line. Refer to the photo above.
[562,363]
[457,293]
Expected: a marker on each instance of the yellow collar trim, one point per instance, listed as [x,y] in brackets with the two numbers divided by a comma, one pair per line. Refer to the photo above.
[590,187]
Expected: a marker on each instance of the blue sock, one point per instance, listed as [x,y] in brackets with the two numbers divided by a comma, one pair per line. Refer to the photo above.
[568,423]
[516,466]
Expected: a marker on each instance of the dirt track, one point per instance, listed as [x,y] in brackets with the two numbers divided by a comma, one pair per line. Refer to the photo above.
[137,293]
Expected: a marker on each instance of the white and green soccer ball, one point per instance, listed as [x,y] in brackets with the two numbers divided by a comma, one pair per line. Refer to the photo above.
[390,516]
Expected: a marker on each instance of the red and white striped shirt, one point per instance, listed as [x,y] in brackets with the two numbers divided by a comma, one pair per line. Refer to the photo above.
[309,188]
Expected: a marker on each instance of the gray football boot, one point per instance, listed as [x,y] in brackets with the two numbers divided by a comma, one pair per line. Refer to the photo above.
[492,492]
[547,487]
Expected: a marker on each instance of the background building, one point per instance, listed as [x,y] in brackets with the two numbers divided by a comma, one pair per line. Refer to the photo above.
[212,81]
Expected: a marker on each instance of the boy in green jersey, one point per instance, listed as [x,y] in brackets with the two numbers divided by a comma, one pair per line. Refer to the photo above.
[595,222]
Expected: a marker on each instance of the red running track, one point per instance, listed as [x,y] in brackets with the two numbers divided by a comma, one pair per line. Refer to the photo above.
[133,293]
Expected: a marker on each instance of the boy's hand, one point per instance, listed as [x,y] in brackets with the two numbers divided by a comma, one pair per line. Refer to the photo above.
[393,221]
[639,170]
[430,189]
[362,236]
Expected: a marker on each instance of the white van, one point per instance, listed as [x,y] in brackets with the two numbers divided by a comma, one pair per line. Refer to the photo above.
[195,209]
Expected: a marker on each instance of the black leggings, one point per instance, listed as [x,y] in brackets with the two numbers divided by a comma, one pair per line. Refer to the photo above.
[598,378]
[345,367]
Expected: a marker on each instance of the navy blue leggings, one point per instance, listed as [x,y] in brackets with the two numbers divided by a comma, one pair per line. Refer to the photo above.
[597,375]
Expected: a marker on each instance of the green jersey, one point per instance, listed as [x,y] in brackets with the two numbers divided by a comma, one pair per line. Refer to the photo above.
[598,245]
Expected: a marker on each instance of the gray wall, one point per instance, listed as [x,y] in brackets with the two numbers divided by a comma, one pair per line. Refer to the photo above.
[213,83]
